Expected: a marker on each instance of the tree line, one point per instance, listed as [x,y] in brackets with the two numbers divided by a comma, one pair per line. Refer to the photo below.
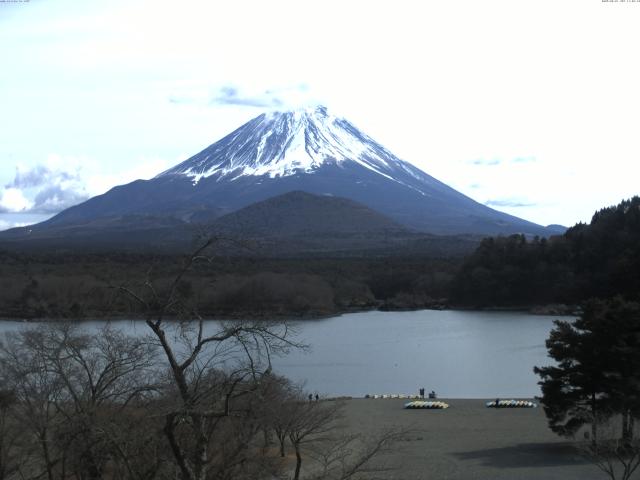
[74,286]
[596,260]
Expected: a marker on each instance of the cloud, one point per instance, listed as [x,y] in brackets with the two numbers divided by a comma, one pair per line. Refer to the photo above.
[509,202]
[62,182]
[43,189]
[529,159]
[55,198]
[13,200]
[490,162]
[38,176]
[180,100]
[230,95]
[486,162]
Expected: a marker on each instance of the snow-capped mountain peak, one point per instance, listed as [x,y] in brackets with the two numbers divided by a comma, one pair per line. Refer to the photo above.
[306,150]
[280,144]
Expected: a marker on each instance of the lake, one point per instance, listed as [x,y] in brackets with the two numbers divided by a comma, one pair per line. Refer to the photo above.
[459,354]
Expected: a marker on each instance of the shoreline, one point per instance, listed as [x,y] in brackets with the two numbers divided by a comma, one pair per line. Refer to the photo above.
[547,310]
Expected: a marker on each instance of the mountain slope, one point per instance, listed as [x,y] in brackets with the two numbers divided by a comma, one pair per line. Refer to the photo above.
[298,223]
[293,224]
[299,213]
[308,150]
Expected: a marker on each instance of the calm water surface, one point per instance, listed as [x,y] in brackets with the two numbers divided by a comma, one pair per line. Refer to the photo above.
[459,354]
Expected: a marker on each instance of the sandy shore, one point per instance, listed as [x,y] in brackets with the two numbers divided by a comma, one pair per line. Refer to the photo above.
[470,441]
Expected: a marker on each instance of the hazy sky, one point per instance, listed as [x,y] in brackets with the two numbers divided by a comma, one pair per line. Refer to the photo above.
[531,107]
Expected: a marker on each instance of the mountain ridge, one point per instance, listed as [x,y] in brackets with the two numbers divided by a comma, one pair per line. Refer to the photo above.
[293,224]
[299,212]
[308,150]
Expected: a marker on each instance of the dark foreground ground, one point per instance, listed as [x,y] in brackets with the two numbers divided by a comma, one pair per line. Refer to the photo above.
[470,441]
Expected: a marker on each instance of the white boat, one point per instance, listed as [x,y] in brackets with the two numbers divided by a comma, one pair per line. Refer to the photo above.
[422,404]
[511,404]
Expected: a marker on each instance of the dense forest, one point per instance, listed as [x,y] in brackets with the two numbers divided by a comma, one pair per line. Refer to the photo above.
[600,259]
[76,286]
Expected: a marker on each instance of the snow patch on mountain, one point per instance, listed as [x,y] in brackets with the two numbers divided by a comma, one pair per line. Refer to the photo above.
[281,144]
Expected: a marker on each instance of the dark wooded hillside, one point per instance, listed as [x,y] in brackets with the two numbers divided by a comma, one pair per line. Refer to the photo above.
[600,259]
[66,285]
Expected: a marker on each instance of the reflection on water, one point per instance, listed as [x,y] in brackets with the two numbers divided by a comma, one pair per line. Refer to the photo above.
[458,354]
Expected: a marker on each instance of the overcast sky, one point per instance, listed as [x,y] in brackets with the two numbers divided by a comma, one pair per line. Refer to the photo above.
[531,107]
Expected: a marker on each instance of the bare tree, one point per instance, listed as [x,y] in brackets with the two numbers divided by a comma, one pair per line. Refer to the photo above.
[351,456]
[37,390]
[71,389]
[314,429]
[12,455]
[618,456]
[100,374]
[281,399]
[212,369]
[310,422]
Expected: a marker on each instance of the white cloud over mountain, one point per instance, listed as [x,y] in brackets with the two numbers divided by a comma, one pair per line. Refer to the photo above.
[60,183]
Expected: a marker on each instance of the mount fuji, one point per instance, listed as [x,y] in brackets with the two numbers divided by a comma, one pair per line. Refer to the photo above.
[307,150]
